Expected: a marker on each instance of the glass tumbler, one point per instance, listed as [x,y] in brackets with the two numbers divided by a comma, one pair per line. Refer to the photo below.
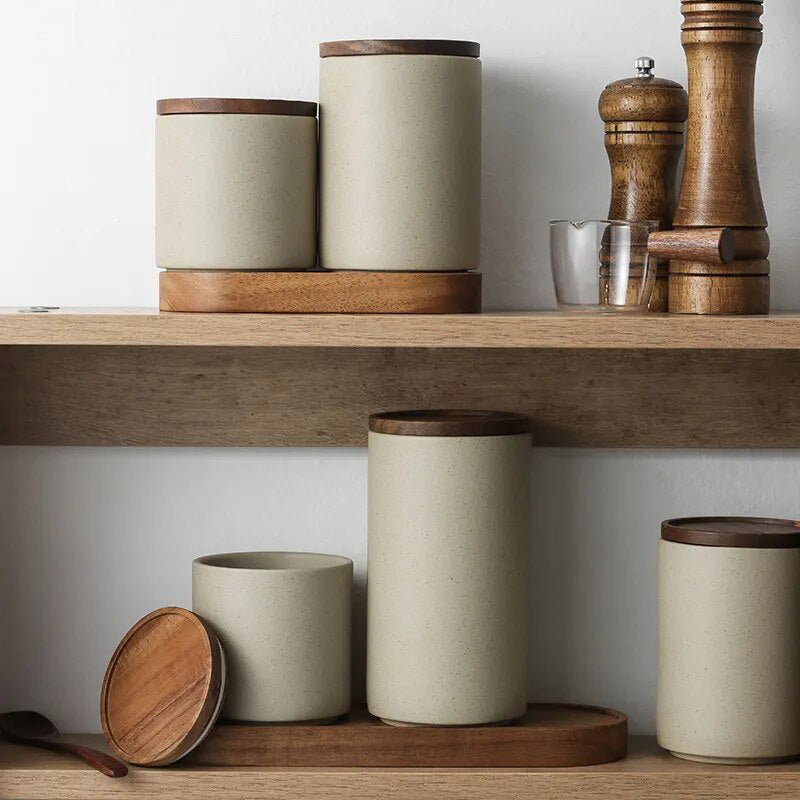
[602,265]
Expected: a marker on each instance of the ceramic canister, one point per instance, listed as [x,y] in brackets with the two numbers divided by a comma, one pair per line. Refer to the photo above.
[447,577]
[729,639]
[236,184]
[284,621]
[400,155]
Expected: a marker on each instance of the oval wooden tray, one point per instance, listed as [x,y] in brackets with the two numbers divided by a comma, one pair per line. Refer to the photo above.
[549,735]
[320,292]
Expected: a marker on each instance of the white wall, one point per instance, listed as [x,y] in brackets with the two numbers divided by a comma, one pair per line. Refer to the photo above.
[93,538]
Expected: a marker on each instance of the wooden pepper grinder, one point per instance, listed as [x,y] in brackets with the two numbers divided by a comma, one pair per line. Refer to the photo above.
[719,248]
[644,118]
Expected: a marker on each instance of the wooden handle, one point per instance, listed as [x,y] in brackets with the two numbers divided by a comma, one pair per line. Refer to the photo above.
[710,245]
[102,762]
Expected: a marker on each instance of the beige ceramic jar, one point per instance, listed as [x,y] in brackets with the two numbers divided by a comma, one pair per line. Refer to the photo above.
[284,621]
[729,640]
[447,576]
[236,184]
[400,155]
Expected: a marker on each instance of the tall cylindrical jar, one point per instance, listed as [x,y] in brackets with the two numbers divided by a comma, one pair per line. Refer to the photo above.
[400,155]
[729,639]
[236,184]
[447,576]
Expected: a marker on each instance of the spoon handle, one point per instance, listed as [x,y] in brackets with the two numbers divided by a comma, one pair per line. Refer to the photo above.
[103,762]
[108,765]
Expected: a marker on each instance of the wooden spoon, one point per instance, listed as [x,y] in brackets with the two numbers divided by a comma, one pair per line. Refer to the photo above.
[28,727]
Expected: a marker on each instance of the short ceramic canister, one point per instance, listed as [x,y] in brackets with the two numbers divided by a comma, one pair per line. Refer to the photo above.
[236,184]
[729,639]
[284,620]
[400,155]
[447,577]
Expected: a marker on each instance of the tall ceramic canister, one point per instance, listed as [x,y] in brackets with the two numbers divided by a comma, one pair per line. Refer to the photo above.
[400,155]
[729,639]
[447,575]
[236,184]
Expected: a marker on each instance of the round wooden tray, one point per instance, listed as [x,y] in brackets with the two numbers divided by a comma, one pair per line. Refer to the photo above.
[319,292]
[549,735]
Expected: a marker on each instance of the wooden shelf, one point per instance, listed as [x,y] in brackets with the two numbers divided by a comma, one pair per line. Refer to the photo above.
[647,774]
[507,331]
[144,378]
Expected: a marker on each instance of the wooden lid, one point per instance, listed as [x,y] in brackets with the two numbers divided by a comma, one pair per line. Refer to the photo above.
[752,532]
[449,423]
[234,105]
[400,47]
[163,689]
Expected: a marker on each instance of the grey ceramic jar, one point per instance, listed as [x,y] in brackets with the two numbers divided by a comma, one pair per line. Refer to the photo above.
[236,184]
[284,621]
[729,639]
[447,576]
[400,155]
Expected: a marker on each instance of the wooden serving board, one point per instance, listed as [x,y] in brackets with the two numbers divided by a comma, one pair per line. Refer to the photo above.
[320,292]
[548,735]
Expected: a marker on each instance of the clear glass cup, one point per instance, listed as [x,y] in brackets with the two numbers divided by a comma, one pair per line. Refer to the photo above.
[602,265]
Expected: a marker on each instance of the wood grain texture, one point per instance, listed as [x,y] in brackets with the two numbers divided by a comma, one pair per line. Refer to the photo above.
[272,396]
[162,689]
[712,245]
[718,294]
[235,105]
[644,138]
[755,532]
[448,423]
[526,330]
[400,47]
[547,736]
[647,774]
[720,185]
[212,291]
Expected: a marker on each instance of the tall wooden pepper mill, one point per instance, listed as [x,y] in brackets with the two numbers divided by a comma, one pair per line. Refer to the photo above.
[644,118]
[714,270]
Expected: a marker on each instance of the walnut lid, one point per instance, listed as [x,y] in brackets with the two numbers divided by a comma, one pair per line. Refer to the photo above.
[644,98]
[755,532]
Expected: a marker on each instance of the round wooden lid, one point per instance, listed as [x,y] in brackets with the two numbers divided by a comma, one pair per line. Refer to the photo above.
[400,47]
[234,105]
[163,689]
[753,532]
[449,423]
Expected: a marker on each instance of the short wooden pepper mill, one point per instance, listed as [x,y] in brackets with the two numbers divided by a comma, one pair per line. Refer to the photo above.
[719,247]
[644,118]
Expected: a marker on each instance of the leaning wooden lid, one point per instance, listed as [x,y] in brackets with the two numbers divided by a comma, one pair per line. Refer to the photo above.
[400,47]
[163,689]
[752,532]
[449,423]
[235,105]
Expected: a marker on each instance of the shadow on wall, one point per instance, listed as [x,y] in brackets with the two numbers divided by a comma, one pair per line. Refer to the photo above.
[543,158]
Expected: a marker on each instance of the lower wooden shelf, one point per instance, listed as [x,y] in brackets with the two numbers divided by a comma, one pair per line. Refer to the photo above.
[647,774]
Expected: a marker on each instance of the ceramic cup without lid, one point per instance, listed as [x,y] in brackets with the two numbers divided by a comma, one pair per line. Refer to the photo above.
[284,620]
[729,640]
[447,593]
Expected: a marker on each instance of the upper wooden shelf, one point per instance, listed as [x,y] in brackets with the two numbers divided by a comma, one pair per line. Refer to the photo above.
[530,330]
[647,774]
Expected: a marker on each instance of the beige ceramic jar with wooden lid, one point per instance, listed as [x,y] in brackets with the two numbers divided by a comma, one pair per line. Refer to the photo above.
[400,155]
[447,576]
[236,184]
[729,639]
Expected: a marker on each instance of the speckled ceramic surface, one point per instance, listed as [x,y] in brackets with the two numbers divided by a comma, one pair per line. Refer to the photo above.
[284,620]
[400,162]
[447,621]
[236,191]
[729,653]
